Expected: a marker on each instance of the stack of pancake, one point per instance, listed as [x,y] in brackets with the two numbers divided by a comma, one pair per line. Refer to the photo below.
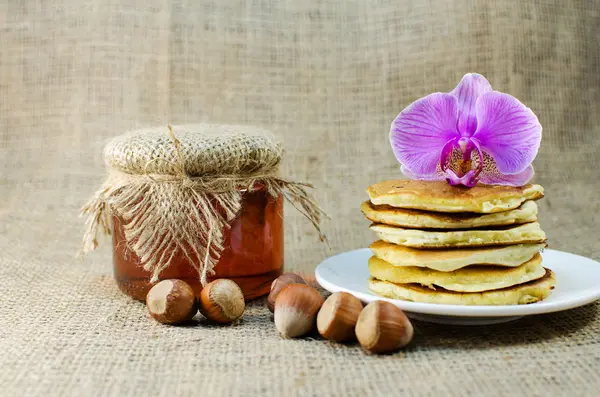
[455,245]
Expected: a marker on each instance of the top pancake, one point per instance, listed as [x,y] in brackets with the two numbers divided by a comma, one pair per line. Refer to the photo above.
[439,196]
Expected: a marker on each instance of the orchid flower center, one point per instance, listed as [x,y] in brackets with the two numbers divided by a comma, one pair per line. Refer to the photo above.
[461,173]
[463,143]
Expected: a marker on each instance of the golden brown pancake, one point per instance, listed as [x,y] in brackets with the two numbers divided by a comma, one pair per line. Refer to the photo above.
[530,292]
[439,196]
[411,218]
[527,233]
[468,279]
[447,260]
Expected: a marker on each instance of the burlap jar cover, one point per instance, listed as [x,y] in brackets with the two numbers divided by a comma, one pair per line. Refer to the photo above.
[178,187]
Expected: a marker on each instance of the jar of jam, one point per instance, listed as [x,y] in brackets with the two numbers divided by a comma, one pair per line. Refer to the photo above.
[252,254]
[196,203]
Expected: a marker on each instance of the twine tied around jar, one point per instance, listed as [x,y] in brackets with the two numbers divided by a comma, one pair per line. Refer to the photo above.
[173,200]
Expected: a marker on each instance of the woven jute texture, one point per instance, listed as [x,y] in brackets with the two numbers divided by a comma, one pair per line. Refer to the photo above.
[209,150]
[328,76]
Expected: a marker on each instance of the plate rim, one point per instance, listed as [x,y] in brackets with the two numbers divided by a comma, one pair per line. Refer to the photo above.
[463,310]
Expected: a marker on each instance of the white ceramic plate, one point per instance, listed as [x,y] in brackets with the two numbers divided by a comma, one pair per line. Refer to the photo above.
[577,284]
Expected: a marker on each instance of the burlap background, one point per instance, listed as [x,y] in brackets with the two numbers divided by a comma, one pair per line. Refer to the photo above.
[329,76]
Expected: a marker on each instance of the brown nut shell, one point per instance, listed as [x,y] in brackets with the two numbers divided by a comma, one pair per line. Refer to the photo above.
[296,310]
[171,302]
[383,328]
[279,284]
[338,316]
[222,301]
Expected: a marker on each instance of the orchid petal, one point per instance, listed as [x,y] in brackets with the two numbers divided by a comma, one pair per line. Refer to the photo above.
[519,179]
[491,176]
[438,176]
[446,156]
[508,131]
[471,87]
[419,133]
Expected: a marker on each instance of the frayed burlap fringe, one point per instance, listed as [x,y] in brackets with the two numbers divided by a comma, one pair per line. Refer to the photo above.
[168,215]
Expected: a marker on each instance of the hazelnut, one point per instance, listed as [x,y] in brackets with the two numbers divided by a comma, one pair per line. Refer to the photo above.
[279,284]
[338,315]
[296,310]
[171,302]
[222,301]
[383,328]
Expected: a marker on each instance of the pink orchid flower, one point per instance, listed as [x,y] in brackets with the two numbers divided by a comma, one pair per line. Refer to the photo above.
[472,134]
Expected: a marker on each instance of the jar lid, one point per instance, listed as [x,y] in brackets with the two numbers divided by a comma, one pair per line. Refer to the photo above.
[204,149]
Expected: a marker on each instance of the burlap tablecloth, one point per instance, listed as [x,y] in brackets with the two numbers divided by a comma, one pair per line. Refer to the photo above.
[329,76]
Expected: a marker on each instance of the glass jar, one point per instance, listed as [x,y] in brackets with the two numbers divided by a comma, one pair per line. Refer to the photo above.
[176,186]
[252,257]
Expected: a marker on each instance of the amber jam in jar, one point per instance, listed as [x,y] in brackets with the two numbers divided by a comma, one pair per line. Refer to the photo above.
[252,257]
